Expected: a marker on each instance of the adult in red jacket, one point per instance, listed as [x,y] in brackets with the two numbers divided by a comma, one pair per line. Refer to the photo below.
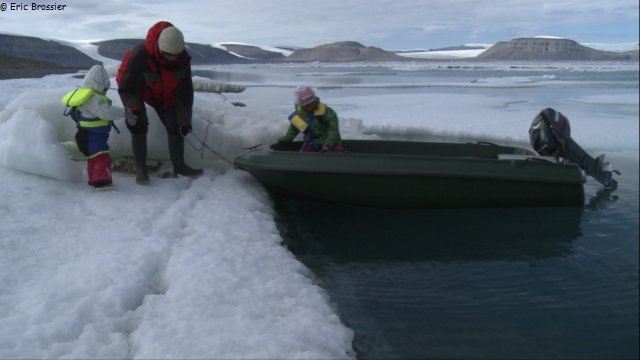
[158,73]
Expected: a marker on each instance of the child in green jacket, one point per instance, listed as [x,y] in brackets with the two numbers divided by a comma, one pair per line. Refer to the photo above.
[317,121]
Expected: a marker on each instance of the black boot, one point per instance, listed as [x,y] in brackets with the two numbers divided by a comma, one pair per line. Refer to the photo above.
[176,152]
[139,147]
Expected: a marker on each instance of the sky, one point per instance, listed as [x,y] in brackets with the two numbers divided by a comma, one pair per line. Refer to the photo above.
[388,24]
[188,268]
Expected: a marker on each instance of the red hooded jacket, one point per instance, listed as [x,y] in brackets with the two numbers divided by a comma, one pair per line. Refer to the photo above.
[145,76]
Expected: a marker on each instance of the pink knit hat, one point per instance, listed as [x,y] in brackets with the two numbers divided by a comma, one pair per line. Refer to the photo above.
[305,95]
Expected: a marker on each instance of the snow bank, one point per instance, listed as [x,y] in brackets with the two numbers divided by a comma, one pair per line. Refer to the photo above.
[28,143]
[186,269]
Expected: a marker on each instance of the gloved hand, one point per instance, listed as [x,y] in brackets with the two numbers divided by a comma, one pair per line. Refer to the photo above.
[131,117]
[184,130]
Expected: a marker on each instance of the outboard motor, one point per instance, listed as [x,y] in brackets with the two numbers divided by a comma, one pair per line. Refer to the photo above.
[550,135]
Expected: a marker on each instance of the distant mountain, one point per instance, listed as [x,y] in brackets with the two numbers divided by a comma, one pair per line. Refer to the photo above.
[23,56]
[344,51]
[553,49]
[42,50]
[18,68]
[253,52]
[200,54]
[115,49]
[633,55]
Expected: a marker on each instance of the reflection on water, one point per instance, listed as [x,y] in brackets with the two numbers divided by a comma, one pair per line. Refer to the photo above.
[353,234]
[383,269]
[475,283]
[602,199]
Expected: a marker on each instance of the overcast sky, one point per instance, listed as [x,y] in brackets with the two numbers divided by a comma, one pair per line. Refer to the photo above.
[389,24]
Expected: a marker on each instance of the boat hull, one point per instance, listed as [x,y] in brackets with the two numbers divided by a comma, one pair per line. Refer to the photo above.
[416,175]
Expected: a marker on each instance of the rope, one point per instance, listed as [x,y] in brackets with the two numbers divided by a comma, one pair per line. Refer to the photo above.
[203,145]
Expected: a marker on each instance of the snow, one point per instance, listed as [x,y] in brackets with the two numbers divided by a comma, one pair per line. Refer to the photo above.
[493,117]
[18,152]
[222,46]
[182,269]
[446,54]
[548,37]
[188,268]
[178,269]
[621,47]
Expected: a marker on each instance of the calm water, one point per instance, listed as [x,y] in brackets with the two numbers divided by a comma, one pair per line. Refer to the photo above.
[470,283]
[479,283]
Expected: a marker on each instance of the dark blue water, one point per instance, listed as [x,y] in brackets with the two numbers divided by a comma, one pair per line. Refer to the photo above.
[547,283]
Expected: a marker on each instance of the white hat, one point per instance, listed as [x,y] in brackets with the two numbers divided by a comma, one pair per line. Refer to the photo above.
[171,40]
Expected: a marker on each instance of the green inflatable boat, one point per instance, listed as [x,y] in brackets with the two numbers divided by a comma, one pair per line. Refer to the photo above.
[417,175]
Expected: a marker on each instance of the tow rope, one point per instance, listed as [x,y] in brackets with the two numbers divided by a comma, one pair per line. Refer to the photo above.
[203,145]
